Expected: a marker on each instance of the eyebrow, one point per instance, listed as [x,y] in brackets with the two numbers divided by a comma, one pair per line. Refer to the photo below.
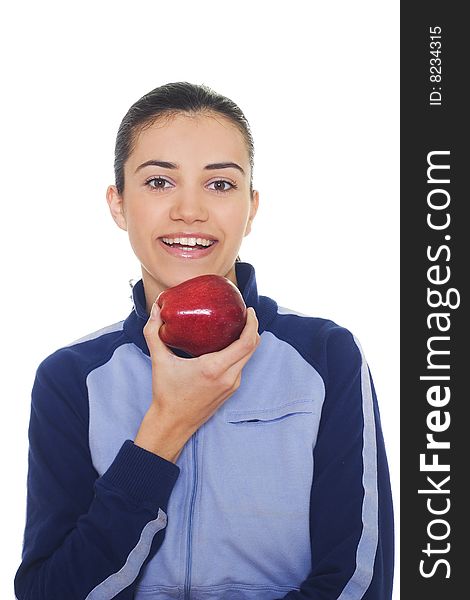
[169,165]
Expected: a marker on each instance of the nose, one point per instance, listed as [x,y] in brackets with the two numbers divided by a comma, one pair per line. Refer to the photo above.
[189,206]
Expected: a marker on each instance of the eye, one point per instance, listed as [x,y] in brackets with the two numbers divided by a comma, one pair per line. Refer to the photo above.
[159,183]
[220,185]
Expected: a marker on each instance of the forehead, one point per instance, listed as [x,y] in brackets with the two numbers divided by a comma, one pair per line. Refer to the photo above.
[187,138]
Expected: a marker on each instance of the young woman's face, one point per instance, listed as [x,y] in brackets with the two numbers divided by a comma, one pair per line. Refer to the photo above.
[200,189]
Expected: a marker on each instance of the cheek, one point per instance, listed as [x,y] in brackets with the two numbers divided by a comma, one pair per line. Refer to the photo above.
[142,215]
[235,215]
[141,230]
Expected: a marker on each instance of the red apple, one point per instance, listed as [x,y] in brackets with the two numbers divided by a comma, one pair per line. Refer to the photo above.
[203,314]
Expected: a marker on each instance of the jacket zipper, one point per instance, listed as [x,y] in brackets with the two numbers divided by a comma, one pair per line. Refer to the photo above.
[187,582]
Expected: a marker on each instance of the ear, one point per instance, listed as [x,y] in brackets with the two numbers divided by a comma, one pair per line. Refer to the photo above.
[116,206]
[253,210]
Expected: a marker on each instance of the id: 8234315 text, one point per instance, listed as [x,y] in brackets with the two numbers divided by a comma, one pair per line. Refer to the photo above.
[435,66]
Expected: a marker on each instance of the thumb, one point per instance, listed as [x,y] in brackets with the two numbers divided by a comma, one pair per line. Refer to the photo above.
[151,331]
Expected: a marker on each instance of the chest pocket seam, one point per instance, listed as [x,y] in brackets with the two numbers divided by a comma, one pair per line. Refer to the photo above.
[266,415]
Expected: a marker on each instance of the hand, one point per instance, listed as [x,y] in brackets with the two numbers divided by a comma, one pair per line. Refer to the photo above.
[187,392]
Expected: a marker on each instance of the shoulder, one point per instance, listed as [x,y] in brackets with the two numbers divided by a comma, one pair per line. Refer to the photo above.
[325,344]
[60,382]
[81,355]
[99,333]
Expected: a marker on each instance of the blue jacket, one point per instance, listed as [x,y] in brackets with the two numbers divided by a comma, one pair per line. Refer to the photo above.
[283,493]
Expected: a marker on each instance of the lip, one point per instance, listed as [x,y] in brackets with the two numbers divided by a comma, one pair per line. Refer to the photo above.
[192,254]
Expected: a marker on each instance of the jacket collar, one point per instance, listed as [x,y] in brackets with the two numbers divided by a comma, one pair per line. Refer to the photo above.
[265,307]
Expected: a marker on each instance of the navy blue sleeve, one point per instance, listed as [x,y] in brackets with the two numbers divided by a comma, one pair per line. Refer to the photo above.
[86,536]
[351,513]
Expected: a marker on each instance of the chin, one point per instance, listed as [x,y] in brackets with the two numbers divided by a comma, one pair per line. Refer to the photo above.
[170,275]
[178,275]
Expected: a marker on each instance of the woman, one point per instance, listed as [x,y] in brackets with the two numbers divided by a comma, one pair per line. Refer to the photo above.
[256,472]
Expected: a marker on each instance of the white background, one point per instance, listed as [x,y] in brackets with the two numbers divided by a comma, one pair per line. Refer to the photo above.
[318,82]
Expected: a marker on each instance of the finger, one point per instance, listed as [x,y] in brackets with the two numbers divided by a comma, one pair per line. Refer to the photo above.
[251,322]
[251,340]
[235,371]
[151,332]
[239,349]
[249,333]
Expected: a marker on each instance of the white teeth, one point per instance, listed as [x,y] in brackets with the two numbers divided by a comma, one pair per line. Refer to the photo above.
[191,241]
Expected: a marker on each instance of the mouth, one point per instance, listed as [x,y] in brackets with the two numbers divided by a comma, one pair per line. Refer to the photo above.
[188,247]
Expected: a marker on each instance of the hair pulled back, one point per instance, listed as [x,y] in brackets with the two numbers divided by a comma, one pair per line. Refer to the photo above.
[168,100]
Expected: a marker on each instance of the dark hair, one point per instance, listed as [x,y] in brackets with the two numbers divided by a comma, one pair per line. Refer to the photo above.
[170,99]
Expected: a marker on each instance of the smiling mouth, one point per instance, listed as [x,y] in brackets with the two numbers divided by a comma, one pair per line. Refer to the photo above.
[188,246]
[182,240]
[187,249]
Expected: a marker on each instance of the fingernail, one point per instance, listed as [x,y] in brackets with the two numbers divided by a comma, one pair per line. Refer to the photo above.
[153,312]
